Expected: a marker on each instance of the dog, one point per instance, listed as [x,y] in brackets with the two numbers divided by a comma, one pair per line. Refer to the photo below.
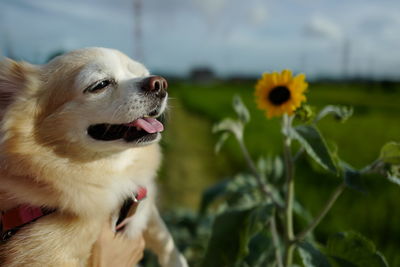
[79,137]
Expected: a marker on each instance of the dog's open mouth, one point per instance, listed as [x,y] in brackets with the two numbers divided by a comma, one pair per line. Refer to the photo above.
[141,130]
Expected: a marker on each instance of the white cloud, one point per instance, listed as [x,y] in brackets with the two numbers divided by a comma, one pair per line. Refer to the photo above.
[101,11]
[322,27]
[258,14]
[211,8]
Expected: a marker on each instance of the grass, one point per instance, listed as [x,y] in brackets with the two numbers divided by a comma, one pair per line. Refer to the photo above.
[191,165]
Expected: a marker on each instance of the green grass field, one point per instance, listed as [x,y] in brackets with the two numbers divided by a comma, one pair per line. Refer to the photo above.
[191,165]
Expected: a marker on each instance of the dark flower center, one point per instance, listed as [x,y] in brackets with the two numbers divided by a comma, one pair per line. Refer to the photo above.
[279,95]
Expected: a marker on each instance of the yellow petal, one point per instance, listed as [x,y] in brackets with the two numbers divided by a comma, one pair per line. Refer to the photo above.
[286,76]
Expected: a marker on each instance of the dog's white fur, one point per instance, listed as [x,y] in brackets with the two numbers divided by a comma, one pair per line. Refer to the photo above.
[48,159]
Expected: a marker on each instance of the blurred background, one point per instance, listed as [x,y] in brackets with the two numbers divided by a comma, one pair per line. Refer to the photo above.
[210,50]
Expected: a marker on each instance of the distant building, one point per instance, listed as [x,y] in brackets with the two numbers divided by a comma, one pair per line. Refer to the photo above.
[202,75]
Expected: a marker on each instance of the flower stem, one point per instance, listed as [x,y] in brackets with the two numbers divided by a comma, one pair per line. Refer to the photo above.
[289,164]
[250,162]
[289,235]
[275,240]
[328,205]
[289,255]
[289,211]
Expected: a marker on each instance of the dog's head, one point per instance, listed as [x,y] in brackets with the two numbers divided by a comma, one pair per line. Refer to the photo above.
[93,99]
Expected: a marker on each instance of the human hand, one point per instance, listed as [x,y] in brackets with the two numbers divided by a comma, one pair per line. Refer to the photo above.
[114,249]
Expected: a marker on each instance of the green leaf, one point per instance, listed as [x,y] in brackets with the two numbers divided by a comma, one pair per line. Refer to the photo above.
[263,165]
[241,109]
[279,168]
[315,145]
[261,248]
[242,191]
[352,178]
[342,113]
[231,234]
[354,249]
[212,193]
[271,167]
[311,256]
[230,125]
[221,141]
[393,174]
[390,153]
[394,179]
[301,211]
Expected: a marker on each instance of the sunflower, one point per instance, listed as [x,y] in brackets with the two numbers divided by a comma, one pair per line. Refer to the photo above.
[279,93]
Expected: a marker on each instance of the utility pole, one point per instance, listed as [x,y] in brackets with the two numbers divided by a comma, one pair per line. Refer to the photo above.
[2,33]
[370,68]
[137,13]
[303,62]
[346,59]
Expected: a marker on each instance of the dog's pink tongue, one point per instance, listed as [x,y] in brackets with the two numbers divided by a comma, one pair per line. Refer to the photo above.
[150,125]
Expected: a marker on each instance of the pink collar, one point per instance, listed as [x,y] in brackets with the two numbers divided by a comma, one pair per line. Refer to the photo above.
[13,219]
[140,194]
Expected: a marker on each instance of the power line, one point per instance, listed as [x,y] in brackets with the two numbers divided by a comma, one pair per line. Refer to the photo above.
[137,17]
[346,59]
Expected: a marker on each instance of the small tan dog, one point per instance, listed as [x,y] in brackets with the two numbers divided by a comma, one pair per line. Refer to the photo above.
[78,138]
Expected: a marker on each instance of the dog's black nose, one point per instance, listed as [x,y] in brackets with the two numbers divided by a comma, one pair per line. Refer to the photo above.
[155,84]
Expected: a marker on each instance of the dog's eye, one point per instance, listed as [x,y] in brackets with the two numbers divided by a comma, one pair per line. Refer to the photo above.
[98,86]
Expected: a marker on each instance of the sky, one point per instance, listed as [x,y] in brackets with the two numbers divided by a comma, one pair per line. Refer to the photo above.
[234,37]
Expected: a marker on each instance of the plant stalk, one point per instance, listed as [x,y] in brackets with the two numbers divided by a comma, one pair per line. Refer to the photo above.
[289,164]
[321,215]
[289,234]
[289,211]
[275,240]
[250,162]
[289,255]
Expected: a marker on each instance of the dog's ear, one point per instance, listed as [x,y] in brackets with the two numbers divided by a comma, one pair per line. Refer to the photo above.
[13,77]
